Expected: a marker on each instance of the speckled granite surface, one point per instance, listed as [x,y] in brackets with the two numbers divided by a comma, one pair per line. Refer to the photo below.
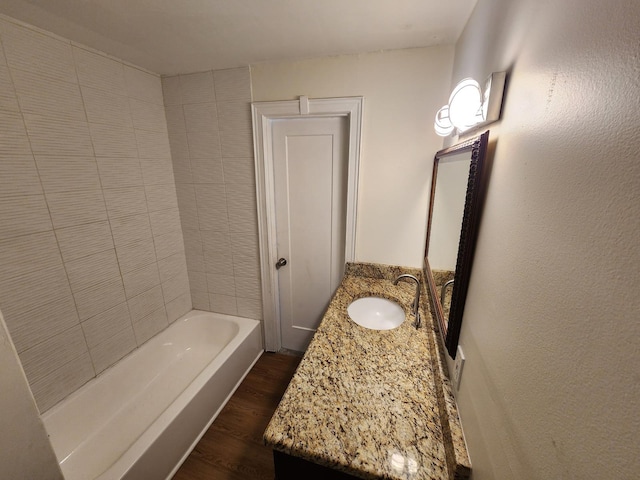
[372,403]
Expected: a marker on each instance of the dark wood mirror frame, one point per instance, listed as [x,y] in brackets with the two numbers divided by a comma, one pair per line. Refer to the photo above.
[477,148]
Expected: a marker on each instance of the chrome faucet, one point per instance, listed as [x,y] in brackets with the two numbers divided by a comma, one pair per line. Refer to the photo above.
[443,291]
[416,301]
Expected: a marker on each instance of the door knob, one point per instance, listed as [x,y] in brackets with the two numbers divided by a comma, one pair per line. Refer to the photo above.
[280,263]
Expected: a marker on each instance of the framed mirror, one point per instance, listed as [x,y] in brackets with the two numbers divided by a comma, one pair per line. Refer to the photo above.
[457,192]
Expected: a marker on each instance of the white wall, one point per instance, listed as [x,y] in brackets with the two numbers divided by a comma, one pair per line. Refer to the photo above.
[25,451]
[403,89]
[551,386]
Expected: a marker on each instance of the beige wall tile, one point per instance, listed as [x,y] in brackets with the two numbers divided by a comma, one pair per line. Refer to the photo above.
[153,144]
[188,207]
[249,308]
[105,325]
[14,136]
[168,244]
[19,176]
[223,304]
[98,71]
[83,240]
[175,118]
[179,145]
[161,197]
[64,174]
[148,116]
[42,95]
[239,170]
[157,171]
[195,261]
[232,84]
[165,221]
[236,134]
[207,170]
[35,325]
[113,140]
[244,244]
[23,216]
[28,253]
[148,326]
[248,287]
[97,190]
[246,266]
[106,107]
[198,281]
[119,172]
[122,202]
[171,90]
[142,305]
[33,51]
[171,266]
[197,88]
[204,145]
[135,255]
[63,381]
[241,201]
[92,270]
[76,208]
[8,100]
[212,207]
[59,137]
[179,306]
[175,286]
[200,300]
[221,284]
[131,229]
[218,262]
[113,349]
[28,291]
[218,255]
[214,241]
[42,359]
[201,117]
[99,298]
[140,280]
[143,86]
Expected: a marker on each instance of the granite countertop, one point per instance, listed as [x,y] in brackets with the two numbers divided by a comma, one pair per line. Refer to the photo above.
[374,404]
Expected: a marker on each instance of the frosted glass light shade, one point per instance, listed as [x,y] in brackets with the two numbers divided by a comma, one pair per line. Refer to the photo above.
[443,125]
[465,104]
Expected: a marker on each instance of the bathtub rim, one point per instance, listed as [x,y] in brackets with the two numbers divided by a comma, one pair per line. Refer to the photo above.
[145,441]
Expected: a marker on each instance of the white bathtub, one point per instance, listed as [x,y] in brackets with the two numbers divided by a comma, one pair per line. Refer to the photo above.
[142,417]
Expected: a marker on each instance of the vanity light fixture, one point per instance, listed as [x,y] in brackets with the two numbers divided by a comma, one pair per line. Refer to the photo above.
[470,106]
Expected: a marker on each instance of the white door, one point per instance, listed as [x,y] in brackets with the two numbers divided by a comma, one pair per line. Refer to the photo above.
[310,158]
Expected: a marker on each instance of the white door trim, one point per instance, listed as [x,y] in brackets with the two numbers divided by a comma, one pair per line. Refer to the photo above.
[262,114]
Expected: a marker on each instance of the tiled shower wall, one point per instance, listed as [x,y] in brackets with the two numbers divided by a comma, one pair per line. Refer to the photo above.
[92,259]
[209,121]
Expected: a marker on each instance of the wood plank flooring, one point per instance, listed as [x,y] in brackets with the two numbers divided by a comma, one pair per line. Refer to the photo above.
[232,448]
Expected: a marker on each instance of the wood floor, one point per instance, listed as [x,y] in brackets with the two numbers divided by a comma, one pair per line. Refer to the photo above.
[232,448]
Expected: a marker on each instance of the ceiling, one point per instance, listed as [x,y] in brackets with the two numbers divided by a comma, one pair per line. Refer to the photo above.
[182,36]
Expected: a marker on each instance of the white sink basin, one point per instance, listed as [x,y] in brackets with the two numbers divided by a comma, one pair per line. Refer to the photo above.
[376,313]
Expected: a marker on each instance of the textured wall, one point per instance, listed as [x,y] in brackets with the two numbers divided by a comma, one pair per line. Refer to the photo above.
[551,334]
[91,253]
[402,90]
[209,119]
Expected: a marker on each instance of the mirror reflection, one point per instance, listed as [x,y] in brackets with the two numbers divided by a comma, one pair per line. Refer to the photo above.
[446,220]
[454,212]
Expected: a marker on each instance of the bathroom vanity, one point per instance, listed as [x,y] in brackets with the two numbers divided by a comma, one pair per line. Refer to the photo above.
[370,403]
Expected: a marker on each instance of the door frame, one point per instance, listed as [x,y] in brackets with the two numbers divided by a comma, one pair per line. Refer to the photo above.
[263,113]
